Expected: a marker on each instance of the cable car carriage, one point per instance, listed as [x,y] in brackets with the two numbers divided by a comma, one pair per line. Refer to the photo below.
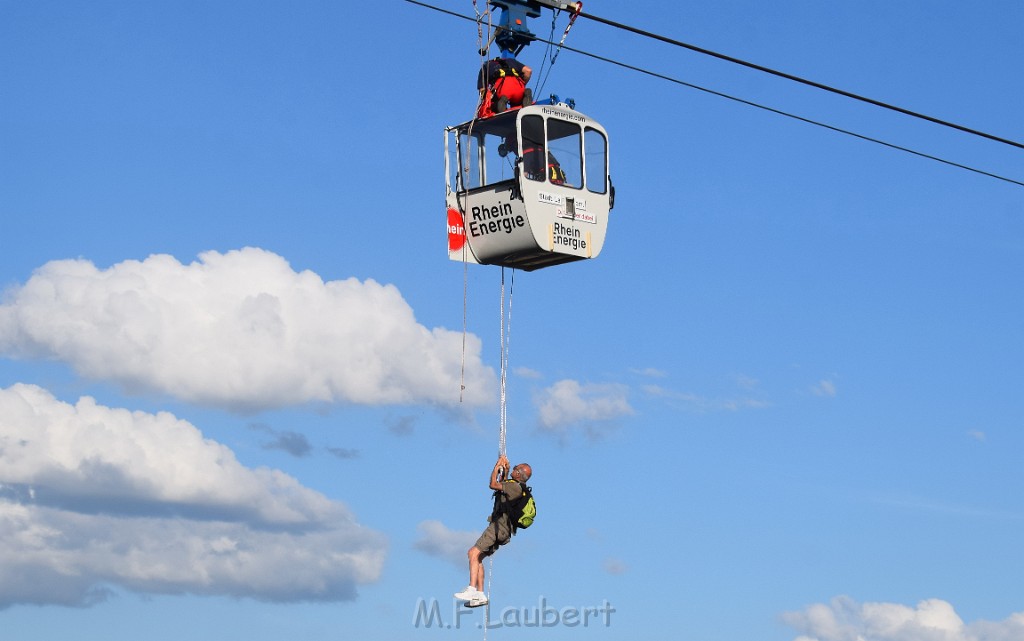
[527,188]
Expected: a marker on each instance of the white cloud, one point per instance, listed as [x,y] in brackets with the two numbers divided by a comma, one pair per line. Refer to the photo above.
[747,382]
[843,619]
[568,403]
[240,330]
[526,372]
[650,372]
[451,545]
[698,403]
[93,496]
[824,388]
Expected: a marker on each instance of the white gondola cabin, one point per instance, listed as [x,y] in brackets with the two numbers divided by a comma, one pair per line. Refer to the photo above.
[527,188]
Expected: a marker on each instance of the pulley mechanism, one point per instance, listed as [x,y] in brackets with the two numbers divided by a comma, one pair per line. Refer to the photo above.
[513,32]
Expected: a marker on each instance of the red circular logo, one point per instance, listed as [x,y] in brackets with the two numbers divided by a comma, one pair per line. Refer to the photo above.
[456,231]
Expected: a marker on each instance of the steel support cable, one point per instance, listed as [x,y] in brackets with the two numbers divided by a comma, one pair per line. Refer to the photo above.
[749,103]
[777,73]
[794,116]
[803,81]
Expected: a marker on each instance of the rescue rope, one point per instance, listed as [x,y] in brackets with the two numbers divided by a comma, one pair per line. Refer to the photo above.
[506,335]
[481,96]
[487,608]
[464,171]
[506,320]
[465,301]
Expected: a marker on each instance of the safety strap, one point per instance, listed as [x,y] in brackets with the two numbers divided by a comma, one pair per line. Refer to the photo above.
[572,19]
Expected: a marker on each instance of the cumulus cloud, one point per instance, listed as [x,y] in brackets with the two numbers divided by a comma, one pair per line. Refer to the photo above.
[439,541]
[843,619]
[593,407]
[240,330]
[92,496]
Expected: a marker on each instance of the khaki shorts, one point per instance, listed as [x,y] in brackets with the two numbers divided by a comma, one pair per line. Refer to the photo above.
[496,535]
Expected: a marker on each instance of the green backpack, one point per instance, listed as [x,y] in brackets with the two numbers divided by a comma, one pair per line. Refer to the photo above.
[524,511]
[521,512]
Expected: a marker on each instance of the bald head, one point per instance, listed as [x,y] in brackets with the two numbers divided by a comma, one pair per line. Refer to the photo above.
[522,472]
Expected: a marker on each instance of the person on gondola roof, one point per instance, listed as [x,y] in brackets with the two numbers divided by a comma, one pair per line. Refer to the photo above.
[502,86]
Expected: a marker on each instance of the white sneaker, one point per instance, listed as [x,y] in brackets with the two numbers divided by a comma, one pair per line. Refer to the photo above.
[468,594]
[478,600]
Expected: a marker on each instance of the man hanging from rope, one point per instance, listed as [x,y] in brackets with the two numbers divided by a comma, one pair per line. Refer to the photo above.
[502,85]
[498,533]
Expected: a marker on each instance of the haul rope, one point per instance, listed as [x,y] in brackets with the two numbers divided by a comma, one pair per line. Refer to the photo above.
[464,171]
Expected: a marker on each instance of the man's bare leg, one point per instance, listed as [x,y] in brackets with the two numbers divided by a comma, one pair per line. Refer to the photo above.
[476,569]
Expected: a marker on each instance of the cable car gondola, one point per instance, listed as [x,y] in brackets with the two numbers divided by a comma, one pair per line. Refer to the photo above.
[528,188]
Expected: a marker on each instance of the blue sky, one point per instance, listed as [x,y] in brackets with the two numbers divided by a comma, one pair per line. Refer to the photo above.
[783,404]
